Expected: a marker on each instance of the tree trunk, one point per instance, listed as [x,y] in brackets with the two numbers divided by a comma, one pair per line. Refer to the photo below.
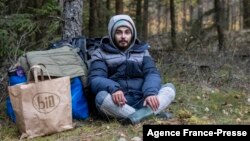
[173,28]
[200,17]
[92,18]
[108,9]
[119,6]
[231,19]
[139,18]
[246,13]
[167,13]
[72,15]
[219,23]
[224,8]
[101,18]
[184,18]
[145,21]
[191,11]
[159,17]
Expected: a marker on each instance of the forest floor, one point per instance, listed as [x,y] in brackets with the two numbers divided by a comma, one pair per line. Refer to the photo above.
[194,104]
[212,88]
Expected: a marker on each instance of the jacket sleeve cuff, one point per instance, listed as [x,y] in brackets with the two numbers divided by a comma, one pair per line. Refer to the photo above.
[149,94]
[114,89]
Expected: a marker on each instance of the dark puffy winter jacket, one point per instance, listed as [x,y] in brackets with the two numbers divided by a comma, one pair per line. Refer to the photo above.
[133,71]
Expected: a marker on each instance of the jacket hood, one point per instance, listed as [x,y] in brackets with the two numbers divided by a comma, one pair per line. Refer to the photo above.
[112,24]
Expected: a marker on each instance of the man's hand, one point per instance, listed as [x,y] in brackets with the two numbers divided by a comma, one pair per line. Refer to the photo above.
[152,101]
[119,98]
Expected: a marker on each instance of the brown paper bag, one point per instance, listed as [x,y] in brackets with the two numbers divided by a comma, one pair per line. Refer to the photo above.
[42,107]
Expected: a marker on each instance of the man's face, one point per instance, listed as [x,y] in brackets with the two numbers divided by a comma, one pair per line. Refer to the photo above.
[123,37]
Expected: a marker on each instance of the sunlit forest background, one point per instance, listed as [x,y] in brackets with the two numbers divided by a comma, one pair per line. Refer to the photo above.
[190,39]
[202,41]
[32,24]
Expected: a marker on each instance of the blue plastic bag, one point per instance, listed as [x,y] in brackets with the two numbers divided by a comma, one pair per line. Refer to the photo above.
[16,76]
[9,110]
[79,102]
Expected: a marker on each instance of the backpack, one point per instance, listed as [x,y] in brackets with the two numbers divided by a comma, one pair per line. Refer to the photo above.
[85,46]
[82,102]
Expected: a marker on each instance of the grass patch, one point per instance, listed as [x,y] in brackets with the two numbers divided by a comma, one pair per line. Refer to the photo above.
[194,104]
[197,105]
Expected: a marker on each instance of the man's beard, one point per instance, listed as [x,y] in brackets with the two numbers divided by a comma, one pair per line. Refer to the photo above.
[122,42]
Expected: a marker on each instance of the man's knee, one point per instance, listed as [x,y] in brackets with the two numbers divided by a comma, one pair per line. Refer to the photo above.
[100,98]
[170,85]
[168,89]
